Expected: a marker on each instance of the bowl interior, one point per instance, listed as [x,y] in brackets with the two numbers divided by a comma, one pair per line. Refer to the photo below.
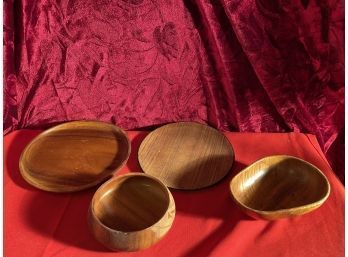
[279,183]
[131,203]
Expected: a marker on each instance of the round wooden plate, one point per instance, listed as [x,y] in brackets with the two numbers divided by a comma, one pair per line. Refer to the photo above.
[186,155]
[74,156]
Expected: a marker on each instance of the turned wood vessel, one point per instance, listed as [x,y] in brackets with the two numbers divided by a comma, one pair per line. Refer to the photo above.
[186,155]
[74,156]
[279,187]
[131,212]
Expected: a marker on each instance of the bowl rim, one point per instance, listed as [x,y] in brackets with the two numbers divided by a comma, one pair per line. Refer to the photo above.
[69,189]
[170,201]
[283,211]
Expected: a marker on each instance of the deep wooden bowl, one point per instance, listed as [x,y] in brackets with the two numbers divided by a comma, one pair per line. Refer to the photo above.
[279,187]
[131,212]
[74,156]
[186,155]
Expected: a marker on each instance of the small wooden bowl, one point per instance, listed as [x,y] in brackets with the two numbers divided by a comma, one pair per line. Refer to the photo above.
[74,156]
[279,187]
[131,212]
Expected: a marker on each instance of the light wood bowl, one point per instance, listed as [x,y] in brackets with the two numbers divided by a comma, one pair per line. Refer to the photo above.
[186,155]
[131,212]
[279,187]
[74,155]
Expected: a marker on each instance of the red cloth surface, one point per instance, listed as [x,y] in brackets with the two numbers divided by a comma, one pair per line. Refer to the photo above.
[207,221]
[256,66]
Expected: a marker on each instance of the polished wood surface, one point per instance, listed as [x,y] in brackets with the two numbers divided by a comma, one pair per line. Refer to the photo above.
[131,212]
[74,156]
[186,155]
[279,187]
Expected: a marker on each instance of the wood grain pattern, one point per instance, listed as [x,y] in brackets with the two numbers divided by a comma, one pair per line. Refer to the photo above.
[131,212]
[186,155]
[279,187]
[74,156]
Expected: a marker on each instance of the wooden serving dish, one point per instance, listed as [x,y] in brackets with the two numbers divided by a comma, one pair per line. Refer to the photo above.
[186,155]
[74,156]
[279,187]
[131,212]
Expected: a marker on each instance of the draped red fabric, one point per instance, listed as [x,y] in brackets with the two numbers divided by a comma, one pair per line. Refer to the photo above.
[252,65]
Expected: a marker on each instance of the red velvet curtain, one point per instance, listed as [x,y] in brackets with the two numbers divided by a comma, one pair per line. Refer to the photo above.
[252,65]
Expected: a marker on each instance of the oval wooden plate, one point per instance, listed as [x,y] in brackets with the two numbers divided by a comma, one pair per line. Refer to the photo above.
[186,155]
[74,156]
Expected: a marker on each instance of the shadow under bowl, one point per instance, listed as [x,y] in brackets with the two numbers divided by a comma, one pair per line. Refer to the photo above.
[279,187]
[131,212]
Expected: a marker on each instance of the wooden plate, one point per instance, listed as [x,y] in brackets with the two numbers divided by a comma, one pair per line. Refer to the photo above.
[186,155]
[279,186]
[74,156]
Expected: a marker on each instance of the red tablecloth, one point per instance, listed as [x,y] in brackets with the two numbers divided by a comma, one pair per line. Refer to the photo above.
[207,221]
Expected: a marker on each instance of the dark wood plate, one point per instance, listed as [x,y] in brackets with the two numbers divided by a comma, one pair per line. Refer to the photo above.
[186,155]
[74,156]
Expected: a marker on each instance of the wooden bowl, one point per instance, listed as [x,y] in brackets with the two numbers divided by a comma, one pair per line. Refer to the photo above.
[186,155]
[74,156]
[279,187]
[131,212]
